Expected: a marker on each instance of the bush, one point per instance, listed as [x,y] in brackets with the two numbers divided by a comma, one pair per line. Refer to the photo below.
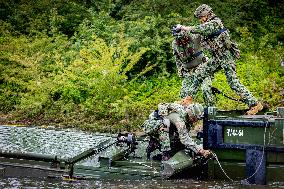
[104,71]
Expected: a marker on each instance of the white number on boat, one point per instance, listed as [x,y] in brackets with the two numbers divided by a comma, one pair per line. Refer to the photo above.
[235,132]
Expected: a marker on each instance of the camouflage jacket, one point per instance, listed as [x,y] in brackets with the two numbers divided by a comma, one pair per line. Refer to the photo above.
[189,114]
[152,126]
[216,44]
[167,108]
[184,55]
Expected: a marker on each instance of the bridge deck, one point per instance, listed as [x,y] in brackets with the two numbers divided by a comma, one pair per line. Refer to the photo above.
[64,144]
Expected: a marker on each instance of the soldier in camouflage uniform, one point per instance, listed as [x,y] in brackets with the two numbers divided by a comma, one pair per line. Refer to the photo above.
[158,130]
[188,55]
[182,117]
[216,38]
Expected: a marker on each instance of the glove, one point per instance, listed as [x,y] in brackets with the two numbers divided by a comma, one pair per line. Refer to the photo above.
[176,29]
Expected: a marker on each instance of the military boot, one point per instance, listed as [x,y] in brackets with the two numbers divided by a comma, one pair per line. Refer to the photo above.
[187,100]
[254,109]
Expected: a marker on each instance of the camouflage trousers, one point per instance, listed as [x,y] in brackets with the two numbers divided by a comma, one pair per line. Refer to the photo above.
[183,132]
[208,97]
[165,141]
[226,62]
[153,127]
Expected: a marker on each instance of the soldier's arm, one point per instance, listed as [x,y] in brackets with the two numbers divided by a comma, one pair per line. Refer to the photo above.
[177,60]
[204,29]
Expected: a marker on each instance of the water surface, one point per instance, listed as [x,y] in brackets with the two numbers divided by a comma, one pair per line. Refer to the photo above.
[27,183]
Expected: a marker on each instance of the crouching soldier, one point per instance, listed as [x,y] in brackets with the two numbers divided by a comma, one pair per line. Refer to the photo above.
[157,128]
[170,122]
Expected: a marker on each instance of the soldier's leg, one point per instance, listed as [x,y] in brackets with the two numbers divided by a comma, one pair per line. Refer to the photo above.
[184,87]
[201,72]
[230,71]
[164,141]
[234,82]
[208,96]
[165,145]
[190,85]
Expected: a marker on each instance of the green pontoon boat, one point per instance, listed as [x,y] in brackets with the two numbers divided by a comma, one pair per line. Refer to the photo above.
[248,148]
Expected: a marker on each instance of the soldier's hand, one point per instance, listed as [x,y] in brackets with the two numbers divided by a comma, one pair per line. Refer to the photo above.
[205,153]
[178,27]
[186,28]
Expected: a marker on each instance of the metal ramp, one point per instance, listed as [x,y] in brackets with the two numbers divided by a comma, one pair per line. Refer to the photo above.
[64,144]
[39,152]
[47,152]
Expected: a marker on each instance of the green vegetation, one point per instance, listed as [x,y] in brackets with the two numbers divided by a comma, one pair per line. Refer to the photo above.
[104,65]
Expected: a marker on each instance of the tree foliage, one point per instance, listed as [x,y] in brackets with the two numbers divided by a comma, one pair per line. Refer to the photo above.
[104,65]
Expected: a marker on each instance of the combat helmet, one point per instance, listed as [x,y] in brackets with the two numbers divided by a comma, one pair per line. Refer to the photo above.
[202,10]
[183,35]
[182,40]
[180,34]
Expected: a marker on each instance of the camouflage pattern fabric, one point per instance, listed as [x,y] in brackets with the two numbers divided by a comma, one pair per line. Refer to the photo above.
[182,117]
[206,84]
[202,10]
[222,59]
[167,108]
[165,141]
[184,50]
[183,47]
[153,127]
[194,112]
[216,44]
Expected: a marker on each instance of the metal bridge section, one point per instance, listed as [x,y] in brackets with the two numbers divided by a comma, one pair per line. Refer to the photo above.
[62,144]
[39,152]
[49,152]
[247,148]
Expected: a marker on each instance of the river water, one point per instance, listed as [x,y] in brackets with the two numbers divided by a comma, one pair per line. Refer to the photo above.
[27,183]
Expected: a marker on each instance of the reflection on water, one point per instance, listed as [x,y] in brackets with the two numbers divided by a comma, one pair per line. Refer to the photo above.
[26,183]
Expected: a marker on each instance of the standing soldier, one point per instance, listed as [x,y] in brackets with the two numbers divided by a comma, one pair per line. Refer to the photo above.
[188,55]
[216,38]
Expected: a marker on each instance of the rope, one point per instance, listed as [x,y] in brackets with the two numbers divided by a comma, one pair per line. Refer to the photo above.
[215,156]
[263,149]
